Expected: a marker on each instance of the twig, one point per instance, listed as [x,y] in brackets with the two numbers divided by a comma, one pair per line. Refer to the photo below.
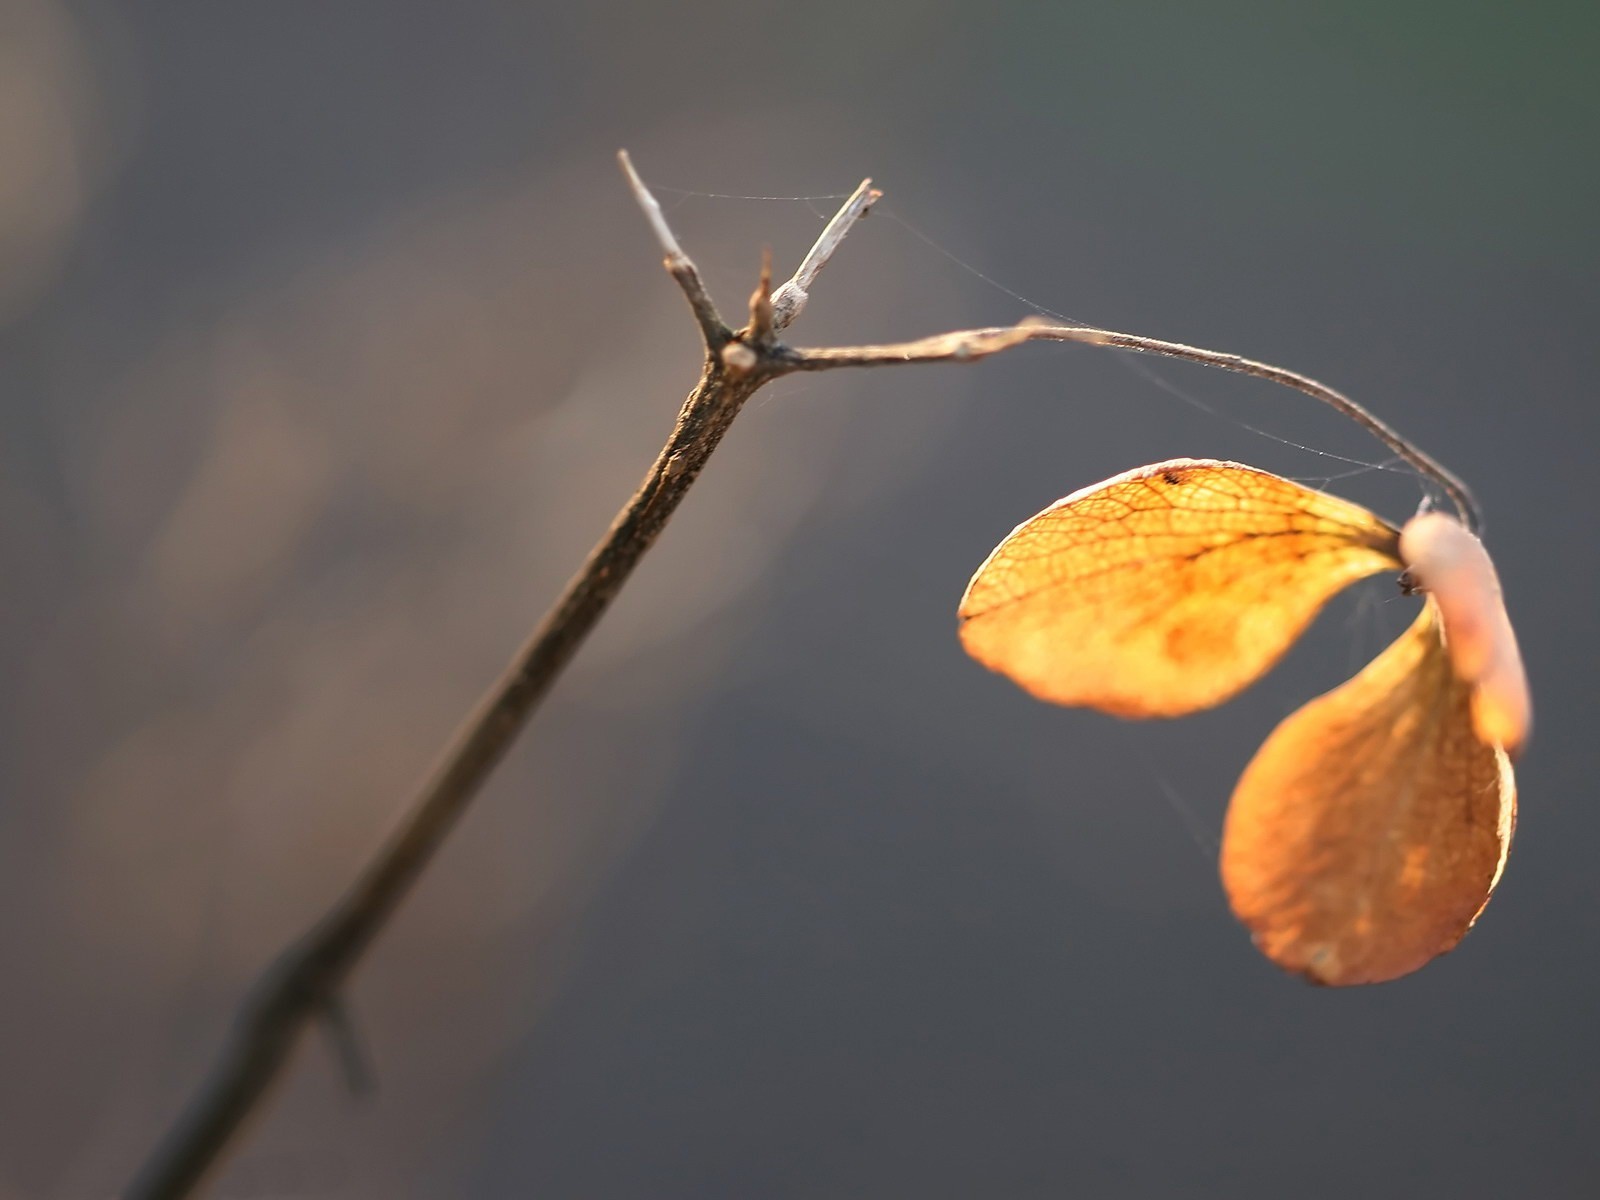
[790,298]
[980,343]
[304,982]
[306,978]
[678,264]
[348,1047]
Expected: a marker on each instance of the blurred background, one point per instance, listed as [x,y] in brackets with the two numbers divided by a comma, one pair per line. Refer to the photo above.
[330,341]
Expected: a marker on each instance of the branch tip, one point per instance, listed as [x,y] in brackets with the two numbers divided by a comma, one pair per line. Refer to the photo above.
[348,1049]
[790,299]
[761,315]
[679,265]
[651,208]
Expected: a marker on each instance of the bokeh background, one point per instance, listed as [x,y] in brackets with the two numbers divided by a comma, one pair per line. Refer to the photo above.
[329,341]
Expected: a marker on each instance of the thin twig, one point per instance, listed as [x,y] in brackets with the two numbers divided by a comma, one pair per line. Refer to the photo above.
[790,298]
[348,1047]
[679,265]
[306,978]
[963,345]
[980,343]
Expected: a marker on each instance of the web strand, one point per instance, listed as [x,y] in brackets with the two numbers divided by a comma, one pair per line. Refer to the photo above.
[1144,370]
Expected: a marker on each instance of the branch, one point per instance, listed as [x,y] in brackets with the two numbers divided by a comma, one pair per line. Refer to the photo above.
[678,264]
[303,983]
[791,297]
[974,344]
[964,345]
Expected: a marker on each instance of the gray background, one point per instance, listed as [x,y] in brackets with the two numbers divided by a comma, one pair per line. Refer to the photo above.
[329,342]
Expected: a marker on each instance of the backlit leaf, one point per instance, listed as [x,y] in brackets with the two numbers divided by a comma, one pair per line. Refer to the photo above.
[1367,833]
[1166,589]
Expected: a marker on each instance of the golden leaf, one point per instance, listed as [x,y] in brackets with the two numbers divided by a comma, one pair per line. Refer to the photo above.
[1366,835]
[1166,589]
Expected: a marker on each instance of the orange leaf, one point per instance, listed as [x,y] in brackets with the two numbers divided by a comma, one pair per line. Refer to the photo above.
[1366,835]
[1166,589]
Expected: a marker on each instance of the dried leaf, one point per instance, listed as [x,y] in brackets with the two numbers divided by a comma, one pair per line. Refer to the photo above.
[1166,589]
[1366,835]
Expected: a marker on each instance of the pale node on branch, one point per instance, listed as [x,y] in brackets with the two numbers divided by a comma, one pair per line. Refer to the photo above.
[739,358]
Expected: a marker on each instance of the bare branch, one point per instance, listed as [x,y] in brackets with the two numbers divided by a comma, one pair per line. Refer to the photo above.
[713,328]
[972,345]
[1452,485]
[304,983]
[966,345]
[652,212]
[348,1048]
[790,298]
